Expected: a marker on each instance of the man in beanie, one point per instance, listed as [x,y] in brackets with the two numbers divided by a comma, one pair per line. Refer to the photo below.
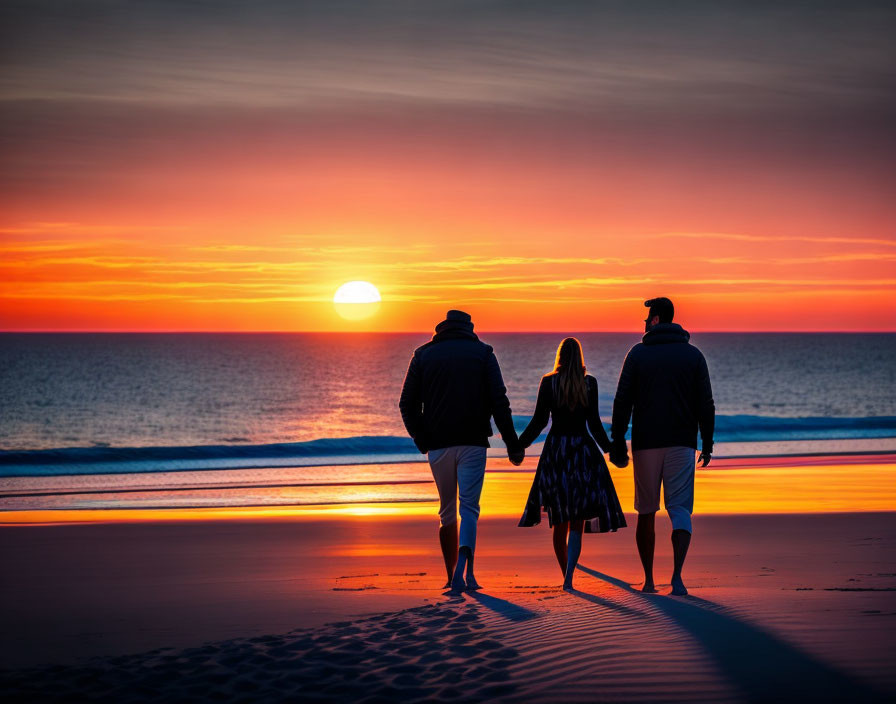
[665,383]
[452,389]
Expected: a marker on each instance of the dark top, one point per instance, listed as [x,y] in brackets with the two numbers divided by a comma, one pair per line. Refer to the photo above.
[452,389]
[565,421]
[665,381]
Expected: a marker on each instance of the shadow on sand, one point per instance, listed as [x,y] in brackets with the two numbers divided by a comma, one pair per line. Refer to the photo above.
[418,655]
[507,609]
[763,667]
[606,603]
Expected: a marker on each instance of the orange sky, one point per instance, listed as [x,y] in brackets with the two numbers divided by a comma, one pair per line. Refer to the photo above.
[173,189]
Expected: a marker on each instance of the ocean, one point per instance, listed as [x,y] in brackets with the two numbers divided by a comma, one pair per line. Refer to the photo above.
[117,412]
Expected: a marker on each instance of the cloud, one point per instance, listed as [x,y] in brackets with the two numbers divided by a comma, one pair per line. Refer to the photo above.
[740,237]
[687,58]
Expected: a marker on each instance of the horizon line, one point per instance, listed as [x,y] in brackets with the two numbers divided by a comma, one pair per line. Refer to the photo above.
[430,332]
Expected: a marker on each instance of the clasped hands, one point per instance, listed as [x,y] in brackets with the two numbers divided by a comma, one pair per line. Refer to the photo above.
[619,454]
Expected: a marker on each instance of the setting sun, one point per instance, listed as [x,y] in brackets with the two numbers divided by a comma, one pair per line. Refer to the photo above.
[357,300]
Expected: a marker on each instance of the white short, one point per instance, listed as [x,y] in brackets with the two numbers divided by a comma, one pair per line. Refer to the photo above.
[673,468]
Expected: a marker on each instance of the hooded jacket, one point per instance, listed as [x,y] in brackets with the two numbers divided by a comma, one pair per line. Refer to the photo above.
[664,389]
[452,389]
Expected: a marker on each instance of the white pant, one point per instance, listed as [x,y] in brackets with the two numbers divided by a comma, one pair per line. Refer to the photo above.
[459,467]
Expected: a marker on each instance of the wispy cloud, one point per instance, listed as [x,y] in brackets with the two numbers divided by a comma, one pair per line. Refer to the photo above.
[606,56]
[778,238]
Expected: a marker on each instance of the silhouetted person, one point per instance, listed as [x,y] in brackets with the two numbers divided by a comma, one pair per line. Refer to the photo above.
[665,383]
[572,483]
[452,390]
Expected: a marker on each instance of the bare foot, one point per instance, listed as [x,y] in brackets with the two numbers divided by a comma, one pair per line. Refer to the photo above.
[457,587]
[678,588]
[447,585]
[649,588]
[567,587]
[472,584]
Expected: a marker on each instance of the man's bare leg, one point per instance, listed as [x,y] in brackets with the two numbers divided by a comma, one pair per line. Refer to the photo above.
[645,536]
[681,540]
[448,541]
[561,530]
[464,555]
[470,578]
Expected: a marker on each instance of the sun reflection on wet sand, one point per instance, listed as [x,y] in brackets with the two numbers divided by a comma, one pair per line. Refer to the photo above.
[794,485]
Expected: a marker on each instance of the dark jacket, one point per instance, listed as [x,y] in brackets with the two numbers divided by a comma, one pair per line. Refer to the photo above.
[665,381]
[452,389]
[565,421]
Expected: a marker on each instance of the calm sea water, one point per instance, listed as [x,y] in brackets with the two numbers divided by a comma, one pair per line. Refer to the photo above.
[93,404]
[136,390]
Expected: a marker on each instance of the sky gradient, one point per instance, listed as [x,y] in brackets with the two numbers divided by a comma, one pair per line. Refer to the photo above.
[545,166]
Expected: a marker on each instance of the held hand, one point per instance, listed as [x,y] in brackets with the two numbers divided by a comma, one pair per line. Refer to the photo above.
[619,456]
[516,456]
[705,457]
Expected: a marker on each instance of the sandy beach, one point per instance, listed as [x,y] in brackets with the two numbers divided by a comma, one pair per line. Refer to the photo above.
[261,262]
[330,606]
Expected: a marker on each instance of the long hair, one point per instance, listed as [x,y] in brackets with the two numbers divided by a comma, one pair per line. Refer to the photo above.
[569,366]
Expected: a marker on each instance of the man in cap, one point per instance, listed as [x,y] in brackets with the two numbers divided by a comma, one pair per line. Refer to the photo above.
[665,385]
[452,389]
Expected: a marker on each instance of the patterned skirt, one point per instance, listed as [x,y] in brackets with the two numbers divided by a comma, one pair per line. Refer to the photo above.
[572,483]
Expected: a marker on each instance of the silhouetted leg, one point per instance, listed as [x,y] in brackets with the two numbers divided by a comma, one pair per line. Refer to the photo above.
[470,474]
[560,532]
[647,468]
[470,471]
[457,580]
[472,584]
[448,541]
[681,540]
[444,472]
[678,490]
[573,550]
[645,535]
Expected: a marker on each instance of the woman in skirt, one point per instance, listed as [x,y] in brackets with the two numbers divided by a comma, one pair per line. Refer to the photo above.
[572,482]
